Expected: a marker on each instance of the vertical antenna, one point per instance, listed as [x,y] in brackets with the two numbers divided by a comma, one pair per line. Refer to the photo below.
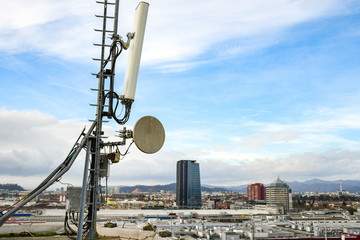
[132,68]
[105,98]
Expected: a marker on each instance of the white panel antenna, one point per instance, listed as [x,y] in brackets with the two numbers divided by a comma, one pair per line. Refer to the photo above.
[133,64]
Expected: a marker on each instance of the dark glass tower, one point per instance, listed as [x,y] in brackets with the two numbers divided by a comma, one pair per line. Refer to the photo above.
[188,187]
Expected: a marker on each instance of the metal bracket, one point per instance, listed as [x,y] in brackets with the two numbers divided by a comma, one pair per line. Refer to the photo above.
[126,44]
[125,133]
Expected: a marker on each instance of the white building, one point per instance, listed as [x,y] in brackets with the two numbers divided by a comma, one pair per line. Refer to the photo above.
[279,194]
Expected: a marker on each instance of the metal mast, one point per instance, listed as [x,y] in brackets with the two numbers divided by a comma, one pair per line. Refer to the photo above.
[103,75]
[149,130]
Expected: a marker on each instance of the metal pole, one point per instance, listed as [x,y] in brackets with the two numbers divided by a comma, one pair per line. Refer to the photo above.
[93,187]
[116,16]
[83,191]
[115,38]
[95,146]
[253,230]
[325,228]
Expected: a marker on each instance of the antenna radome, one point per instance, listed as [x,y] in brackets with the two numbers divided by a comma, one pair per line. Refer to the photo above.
[133,64]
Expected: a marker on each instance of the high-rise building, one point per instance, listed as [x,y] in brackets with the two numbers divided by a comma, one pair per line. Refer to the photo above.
[256,191]
[188,187]
[278,194]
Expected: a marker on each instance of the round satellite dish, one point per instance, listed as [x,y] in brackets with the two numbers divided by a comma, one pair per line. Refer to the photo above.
[149,134]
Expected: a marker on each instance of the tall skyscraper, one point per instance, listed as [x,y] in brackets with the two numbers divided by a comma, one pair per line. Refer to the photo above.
[279,194]
[188,187]
[256,191]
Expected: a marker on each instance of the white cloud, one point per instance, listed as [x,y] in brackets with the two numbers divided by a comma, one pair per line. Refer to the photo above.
[331,164]
[176,30]
[317,129]
[32,144]
[62,29]
[301,166]
[262,138]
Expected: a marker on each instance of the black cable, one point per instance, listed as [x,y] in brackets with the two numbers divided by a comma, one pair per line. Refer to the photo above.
[115,53]
[67,228]
[126,116]
[126,152]
[114,45]
[113,94]
[51,176]
[116,106]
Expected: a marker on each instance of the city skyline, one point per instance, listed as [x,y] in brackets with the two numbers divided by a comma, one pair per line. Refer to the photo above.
[250,90]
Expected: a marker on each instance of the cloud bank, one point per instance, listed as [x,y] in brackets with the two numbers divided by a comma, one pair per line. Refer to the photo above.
[33,144]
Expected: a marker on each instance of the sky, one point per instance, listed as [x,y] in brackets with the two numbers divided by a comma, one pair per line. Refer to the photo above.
[251,90]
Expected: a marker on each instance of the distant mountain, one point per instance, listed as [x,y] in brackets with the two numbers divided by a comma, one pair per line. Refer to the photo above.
[11,187]
[312,185]
[241,188]
[214,189]
[167,187]
[314,180]
[145,188]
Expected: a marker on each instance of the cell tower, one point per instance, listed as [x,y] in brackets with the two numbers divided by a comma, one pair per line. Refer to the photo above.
[148,133]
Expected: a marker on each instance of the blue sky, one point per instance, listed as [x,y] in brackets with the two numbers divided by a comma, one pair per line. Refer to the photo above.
[250,90]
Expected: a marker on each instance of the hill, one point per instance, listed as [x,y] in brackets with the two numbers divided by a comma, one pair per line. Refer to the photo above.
[312,185]
[168,187]
[11,187]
